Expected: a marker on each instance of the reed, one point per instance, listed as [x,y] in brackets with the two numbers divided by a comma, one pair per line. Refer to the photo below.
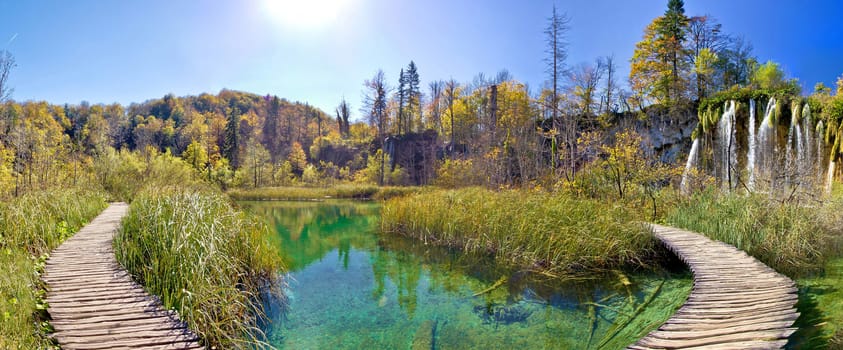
[30,227]
[550,233]
[204,259]
[347,191]
[793,239]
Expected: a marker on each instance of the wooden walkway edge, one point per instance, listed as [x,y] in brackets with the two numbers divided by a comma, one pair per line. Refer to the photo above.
[95,304]
[737,302]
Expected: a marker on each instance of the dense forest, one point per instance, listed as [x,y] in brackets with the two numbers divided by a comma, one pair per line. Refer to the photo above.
[493,130]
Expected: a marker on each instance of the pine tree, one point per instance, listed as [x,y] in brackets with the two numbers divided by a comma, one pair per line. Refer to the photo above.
[271,139]
[230,143]
[402,96]
[413,96]
[671,29]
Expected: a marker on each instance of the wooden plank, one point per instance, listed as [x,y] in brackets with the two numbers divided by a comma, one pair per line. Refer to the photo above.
[95,304]
[737,302]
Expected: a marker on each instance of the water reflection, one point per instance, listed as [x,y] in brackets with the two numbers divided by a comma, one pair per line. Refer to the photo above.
[354,288]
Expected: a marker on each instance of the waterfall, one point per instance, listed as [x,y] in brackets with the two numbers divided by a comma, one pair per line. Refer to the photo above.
[689,166]
[820,150]
[809,161]
[765,148]
[752,142]
[829,177]
[726,143]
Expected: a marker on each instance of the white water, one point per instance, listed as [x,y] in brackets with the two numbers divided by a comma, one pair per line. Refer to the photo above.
[752,141]
[765,148]
[829,177]
[809,160]
[820,149]
[689,165]
[726,144]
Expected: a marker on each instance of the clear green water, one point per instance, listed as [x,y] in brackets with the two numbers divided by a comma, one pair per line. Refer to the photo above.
[353,288]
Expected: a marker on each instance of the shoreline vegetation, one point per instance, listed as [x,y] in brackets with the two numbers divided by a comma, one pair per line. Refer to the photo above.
[802,242]
[345,191]
[205,259]
[548,233]
[563,235]
[30,227]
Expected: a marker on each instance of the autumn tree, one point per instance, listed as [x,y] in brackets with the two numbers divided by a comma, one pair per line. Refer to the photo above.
[705,42]
[374,105]
[610,85]
[343,111]
[297,158]
[435,107]
[658,68]
[7,62]
[451,95]
[584,80]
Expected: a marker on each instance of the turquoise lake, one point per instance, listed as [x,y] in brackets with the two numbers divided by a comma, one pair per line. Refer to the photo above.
[351,287]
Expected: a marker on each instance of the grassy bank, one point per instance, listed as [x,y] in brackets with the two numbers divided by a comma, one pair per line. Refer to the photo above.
[556,234]
[317,193]
[203,258]
[793,239]
[801,242]
[30,227]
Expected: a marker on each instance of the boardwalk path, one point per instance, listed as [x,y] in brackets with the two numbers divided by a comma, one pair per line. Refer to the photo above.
[95,304]
[737,302]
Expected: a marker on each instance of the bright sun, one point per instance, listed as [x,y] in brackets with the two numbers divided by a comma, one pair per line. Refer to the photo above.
[304,14]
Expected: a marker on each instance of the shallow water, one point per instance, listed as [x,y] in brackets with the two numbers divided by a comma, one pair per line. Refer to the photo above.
[351,287]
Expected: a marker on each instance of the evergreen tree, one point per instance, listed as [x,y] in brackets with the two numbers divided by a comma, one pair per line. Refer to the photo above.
[401,96]
[230,144]
[671,29]
[271,139]
[413,96]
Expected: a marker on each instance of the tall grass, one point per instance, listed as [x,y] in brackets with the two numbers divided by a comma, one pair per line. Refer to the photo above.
[550,233]
[204,259]
[793,239]
[30,227]
[348,191]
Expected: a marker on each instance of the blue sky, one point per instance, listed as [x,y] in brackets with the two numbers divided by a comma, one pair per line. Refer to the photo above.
[131,51]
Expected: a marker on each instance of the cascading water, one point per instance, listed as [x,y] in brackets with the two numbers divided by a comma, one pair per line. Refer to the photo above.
[726,144]
[808,159]
[766,145]
[689,165]
[752,142]
[794,149]
[820,149]
[777,164]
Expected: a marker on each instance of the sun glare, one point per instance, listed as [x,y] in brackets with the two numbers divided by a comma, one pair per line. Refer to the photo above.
[304,14]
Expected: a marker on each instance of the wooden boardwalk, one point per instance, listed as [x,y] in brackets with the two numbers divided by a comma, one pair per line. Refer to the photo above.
[737,302]
[95,304]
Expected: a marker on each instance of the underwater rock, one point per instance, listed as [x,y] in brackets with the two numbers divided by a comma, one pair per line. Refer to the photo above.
[502,314]
[425,338]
